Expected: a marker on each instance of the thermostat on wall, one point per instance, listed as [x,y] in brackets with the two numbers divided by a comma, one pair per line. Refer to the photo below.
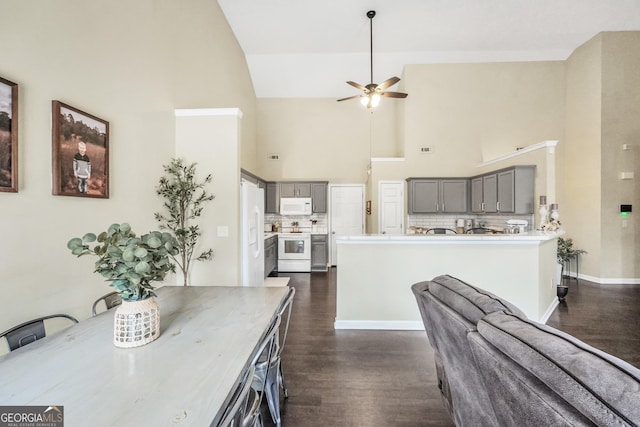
[625,209]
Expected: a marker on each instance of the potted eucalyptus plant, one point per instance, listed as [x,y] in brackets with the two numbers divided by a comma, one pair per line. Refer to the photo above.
[131,264]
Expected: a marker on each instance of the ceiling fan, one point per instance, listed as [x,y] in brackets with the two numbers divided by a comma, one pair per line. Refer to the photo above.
[373,92]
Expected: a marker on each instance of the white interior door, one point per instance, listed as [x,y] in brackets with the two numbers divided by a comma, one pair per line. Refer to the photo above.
[391,207]
[346,213]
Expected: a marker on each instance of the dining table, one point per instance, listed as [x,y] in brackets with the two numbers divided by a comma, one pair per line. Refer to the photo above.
[209,337]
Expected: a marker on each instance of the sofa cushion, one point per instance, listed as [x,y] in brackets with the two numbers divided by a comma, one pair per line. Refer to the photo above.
[560,374]
[470,302]
[450,308]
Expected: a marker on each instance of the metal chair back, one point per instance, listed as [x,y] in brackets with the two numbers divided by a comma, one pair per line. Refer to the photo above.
[28,332]
[112,299]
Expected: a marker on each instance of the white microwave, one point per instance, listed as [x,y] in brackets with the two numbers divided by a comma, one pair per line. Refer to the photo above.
[295,206]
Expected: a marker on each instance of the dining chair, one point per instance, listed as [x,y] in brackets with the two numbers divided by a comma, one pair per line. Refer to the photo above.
[271,371]
[235,412]
[28,332]
[111,300]
[478,230]
[262,361]
[441,231]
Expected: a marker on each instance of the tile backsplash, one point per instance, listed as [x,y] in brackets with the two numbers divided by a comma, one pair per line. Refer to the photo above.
[449,221]
[305,223]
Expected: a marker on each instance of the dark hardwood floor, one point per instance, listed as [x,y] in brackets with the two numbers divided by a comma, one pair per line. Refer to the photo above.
[604,316]
[387,378]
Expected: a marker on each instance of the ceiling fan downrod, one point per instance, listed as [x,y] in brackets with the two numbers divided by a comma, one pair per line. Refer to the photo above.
[371,14]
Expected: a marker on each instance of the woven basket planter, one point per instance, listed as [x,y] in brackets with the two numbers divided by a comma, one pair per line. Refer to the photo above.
[136,323]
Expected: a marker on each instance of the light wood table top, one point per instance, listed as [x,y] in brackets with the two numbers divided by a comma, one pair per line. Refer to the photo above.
[208,336]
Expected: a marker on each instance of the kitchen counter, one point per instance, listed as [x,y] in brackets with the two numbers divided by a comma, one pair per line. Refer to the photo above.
[533,236]
[268,235]
[376,272]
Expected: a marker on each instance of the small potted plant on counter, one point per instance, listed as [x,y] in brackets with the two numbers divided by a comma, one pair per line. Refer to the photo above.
[131,264]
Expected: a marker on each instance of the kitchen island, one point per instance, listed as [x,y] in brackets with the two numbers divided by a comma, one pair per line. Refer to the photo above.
[375,273]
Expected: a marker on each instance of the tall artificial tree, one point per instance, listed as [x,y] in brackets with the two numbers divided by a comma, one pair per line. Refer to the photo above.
[184,199]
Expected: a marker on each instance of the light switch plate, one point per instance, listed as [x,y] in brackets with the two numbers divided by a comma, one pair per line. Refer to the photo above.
[223,231]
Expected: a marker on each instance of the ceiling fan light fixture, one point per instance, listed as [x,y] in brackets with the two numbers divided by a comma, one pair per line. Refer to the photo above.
[374,92]
[370,101]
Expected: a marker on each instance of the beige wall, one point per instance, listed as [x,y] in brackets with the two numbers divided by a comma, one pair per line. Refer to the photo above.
[602,114]
[468,113]
[131,63]
[322,139]
[620,125]
[580,206]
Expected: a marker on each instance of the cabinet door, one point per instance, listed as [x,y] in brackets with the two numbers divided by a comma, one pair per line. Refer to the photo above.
[476,195]
[453,195]
[506,191]
[319,197]
[303,189]
[270,255]
[490,193]
[423,196]
[319,252]
[272,200]
[287,189]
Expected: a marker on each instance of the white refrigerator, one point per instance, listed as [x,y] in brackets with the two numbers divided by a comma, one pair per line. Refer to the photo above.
[252,234]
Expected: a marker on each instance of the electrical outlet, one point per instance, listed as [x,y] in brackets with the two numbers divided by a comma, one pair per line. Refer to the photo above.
[426,150]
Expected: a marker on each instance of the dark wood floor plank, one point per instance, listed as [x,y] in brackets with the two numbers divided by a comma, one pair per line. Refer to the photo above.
[387,378]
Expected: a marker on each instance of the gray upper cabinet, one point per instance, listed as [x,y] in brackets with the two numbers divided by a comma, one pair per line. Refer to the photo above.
[271,198]
[454,195]
[443,195]
[295,189]
[507,190]
[516,190]
[423,196]
[490,193]
[319,197]
[476,194]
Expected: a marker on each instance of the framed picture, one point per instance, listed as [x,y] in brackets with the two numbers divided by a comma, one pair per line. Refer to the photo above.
[80,153]
[8,136]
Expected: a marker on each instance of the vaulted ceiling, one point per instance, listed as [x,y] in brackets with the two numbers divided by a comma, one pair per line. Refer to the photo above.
[309,49]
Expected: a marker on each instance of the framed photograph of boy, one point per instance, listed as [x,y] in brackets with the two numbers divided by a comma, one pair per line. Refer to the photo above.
[80,153]
[8,136]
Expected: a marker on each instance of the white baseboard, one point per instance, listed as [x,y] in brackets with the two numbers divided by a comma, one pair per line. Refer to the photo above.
[549,311]
[392,325]
[609,281]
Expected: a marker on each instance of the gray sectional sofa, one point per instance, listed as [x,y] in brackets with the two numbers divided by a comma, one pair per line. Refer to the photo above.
[495,367]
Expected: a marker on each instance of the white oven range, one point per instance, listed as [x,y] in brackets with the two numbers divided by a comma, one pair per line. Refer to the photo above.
[294,252]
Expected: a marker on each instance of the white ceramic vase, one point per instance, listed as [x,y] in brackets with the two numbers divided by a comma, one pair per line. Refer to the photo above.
[136,323]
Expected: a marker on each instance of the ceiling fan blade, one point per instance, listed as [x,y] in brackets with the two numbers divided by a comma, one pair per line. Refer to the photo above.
[388,83]
[393,94]
[349,97]
[357,85]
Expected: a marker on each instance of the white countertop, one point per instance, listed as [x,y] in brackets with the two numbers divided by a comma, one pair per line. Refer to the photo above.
[533,236]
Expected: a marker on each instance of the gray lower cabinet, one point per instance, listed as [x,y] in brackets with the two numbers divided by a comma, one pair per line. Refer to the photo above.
[509,190]
[319,252]
[441,195]
[270,255]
